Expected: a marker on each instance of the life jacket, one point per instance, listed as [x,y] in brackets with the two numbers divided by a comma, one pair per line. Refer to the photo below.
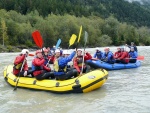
[106,55]
[57,68]
[80,61]
[99,54]
[18,66]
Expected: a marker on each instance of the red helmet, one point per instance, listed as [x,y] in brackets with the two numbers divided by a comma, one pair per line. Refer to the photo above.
[38,51]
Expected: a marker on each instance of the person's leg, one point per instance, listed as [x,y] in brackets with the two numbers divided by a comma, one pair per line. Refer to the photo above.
[20,74]
[43,76]
[87,69]
[123,62]
[132,60]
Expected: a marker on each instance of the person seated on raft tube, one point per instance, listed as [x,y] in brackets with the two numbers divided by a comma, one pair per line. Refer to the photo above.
[40,71]
[133,55]
[132,45]
[19,62]
[48,59]
[60,66]
[108,56]
[77,61]
[98,54]
[124,58]
[118,53]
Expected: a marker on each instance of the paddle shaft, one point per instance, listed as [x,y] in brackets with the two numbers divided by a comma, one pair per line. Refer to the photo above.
[19,74]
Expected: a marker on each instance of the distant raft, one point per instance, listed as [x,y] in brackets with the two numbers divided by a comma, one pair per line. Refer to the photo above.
[81,84]
[116,66]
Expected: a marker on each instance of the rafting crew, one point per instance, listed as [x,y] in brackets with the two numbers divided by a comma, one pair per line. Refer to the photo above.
[133,55]
[98,54]
[21,61]
[77,61]
[108,56]
[41,71]
[60,66]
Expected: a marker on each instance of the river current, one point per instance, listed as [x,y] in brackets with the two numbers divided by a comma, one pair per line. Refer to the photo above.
[126,91]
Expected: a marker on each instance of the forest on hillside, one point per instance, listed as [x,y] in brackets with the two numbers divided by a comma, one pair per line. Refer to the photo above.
[18,19]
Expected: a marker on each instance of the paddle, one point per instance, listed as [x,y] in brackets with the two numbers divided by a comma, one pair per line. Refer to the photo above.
[138,58]
[58,43]
[19,74]
[37,38]
[72,40]
[85,41]
[79,34]
[31,54]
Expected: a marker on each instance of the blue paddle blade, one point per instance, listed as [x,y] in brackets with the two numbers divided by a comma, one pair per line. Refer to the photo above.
[58,43]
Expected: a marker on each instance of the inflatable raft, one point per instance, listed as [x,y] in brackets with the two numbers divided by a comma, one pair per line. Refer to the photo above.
[81,84]
[116,66]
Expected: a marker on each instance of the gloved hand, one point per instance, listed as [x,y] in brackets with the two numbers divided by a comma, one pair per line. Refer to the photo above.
[25,73]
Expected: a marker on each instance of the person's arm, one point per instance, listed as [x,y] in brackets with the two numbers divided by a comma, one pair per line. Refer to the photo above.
[122,56]
[94,56]
[70,57]
[87,57]
[38,62]
[19,59]
[75,65]
[46,68]
[25,68]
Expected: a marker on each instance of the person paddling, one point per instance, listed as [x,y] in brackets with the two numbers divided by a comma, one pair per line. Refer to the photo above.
[19,62]
[133,55]
[77,61]
[60,66]
[40,71]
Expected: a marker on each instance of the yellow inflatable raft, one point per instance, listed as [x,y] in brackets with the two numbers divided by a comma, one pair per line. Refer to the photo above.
[82,84]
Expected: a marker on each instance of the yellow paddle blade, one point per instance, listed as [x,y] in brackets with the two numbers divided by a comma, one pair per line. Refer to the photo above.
[72,39]
[80,33]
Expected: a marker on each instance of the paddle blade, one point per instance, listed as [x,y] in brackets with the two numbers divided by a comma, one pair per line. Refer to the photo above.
[80,34]
[72,39]
[140,58]
[85,37]
[58,43]
[31,54]
[37,38]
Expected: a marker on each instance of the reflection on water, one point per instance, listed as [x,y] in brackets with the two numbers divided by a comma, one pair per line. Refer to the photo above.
[126,91]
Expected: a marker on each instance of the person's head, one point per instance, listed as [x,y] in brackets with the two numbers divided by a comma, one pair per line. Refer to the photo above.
[132,43]
[48,48]
[118,49]
[122,48]
[79,52]
[106,49]
[25,51]
[132,49]
[45,51]
[66,53]
[97,49]
[38,53]
[57,53]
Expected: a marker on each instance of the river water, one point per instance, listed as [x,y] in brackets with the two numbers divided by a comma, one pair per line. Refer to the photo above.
[126,91]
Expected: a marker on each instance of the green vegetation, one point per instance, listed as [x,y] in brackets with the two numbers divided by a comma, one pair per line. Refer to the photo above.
[108,22]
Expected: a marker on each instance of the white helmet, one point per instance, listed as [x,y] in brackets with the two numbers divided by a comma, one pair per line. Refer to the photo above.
[24,51]
[79,49]
[57,51]
[96,48]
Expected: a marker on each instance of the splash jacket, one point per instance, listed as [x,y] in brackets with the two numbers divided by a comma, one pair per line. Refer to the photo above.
[133,54]
[60,64]
[108,57]
[38,66]
[77,62]
[117,54]
[18,64]
[124,57]
[98,55]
